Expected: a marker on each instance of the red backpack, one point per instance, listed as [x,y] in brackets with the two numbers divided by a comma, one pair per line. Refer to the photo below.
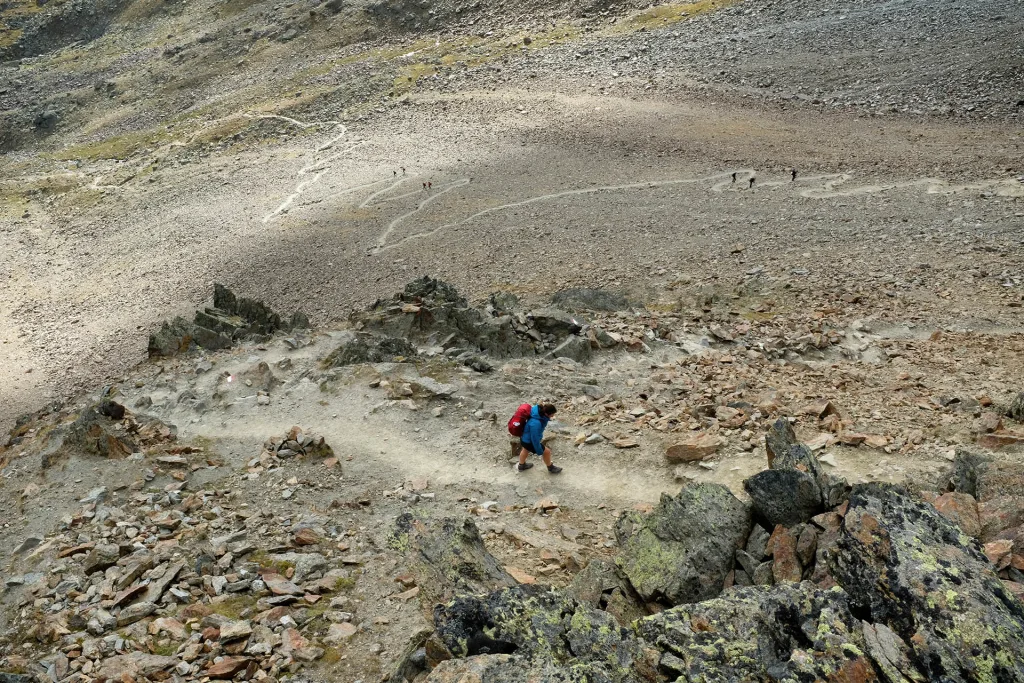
[518,422]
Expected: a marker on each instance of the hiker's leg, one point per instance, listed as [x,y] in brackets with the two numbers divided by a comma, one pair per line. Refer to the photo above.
[523,454]
[547,456]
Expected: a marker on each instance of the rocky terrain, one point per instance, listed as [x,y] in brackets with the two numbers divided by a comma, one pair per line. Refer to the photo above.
[274,275]
[186,529]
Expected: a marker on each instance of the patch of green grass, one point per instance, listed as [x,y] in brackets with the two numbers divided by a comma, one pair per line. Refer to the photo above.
[265,561]
[233,607]
[664,15]
[114,147]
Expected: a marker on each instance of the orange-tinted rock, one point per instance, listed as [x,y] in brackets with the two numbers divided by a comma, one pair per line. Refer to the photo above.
[786,567]
[306,537]
[962,510]
[998,553]
[999,514]
[227,667]
[693,449]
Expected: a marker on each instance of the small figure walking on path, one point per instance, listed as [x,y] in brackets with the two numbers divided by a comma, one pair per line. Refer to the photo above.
[403,170]
[395,173]
[424,186]
[793,179]
[752,179]
[528,424]
[430,185]
[734,177]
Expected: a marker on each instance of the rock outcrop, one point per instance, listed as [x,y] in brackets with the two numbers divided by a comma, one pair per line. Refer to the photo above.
[230,319]
[683,550]
[433,314]
[793,632]
[897,593]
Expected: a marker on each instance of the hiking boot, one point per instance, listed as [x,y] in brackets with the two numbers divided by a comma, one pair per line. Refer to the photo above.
[554,469]
[523,466]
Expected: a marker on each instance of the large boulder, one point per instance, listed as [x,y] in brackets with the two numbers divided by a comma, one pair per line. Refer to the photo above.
[795,487]
[785,497]
[548,630]
[683,550]
[448,558]
[555,321]
[790,632]
[907,567]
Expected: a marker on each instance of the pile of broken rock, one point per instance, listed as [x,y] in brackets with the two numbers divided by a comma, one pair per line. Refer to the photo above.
[175,585]
[812,580]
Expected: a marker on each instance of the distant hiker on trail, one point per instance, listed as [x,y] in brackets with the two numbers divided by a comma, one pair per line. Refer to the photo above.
[528,424]
[403,170]
[430,186]
[752,179]
[734,177]
[793,179]
[424,186]
[396,173]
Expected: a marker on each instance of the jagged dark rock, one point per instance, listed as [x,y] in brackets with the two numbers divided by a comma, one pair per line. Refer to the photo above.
[555,321]
[683,550]
[790,632]
[231,318]
[907,567]
[1015,411]
[796,487]
[448,557]
[602,585]
[368,348]
[94,432]
[784,497]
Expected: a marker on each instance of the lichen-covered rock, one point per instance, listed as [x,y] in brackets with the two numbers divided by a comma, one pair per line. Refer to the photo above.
[602,585]
[906,566]
[448,557]
[546,628]
[683,550]
[791,632]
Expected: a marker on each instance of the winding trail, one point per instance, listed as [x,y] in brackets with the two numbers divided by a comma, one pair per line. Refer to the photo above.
[318,167]
[721,183]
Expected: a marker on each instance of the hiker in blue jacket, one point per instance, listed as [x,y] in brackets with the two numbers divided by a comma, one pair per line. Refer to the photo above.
[533,433]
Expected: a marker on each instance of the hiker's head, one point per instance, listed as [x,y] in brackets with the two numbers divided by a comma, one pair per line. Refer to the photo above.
[548,409]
